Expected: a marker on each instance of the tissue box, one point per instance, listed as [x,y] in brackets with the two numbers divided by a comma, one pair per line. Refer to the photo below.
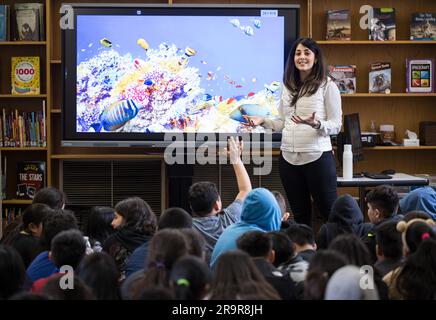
[411,142]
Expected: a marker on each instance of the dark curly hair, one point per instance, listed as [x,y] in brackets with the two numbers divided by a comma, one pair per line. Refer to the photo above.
[137,215]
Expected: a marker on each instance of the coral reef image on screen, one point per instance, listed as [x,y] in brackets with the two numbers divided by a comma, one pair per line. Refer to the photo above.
[147,74]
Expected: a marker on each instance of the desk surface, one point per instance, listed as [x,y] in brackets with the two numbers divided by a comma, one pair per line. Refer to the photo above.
[398,179]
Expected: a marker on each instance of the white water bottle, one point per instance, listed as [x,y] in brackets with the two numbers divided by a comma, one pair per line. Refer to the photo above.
[347,163]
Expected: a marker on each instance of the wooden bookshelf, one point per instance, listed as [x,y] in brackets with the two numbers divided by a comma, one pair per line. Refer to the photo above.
[26,103]
[390,95]
[23,43]
[376,43]
[23,96]
[23,149]
[107,156]
[16,201]
[404,110]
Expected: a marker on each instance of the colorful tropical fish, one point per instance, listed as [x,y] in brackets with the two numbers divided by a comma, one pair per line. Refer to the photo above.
[248,110]
[106,42]
[144,45]
[116,115]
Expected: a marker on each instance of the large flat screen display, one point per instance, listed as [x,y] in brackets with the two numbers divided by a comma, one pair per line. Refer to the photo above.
[134,73]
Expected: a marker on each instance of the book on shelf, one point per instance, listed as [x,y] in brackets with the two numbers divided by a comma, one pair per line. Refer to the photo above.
[380,77]
[4,22]
[420,75]
[29,21]
[344,77]
[22,129]
[3,169]
[382,24]
[30,178]
[423,26]
[25,75]
[10,215]
[338,25]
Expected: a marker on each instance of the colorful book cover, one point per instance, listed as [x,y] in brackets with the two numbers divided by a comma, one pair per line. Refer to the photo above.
[380,77]
[4,22]
[344,77]
[338,25]
[25,75]
[30,178]
[382,24]
[423,26]
[420,75]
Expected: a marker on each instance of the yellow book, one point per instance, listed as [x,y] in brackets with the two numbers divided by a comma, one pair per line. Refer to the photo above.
[25,76]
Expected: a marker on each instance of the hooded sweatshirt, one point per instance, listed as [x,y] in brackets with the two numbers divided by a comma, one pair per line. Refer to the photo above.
[345,217]
[260,212]
[421,199]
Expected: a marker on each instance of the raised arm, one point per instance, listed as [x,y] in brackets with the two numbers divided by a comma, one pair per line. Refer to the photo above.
[242,178]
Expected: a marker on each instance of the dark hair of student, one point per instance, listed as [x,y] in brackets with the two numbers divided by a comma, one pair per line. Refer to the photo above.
[175,218]
[318,74]
[196,242]
[68,247]
[137,215]
[256,243]
[10,232]
[190,278]
[54,291]
[385,199]
[99,223]
[165,248]
[414,235]
[417,278]
[282,246]
[28,296]
[35,213]
[416,215]
[300,234]
[202,197]
[12,272]
[389,240]
[236,277]
[51,196]
[54,223]
[100,273]
[353,248]
[157,293]
[280,200]
[322,266]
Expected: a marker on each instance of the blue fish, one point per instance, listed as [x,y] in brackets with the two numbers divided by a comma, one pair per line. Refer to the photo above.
[248,110]
[148,82]
[116,115]
[257,23]
[207,97]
